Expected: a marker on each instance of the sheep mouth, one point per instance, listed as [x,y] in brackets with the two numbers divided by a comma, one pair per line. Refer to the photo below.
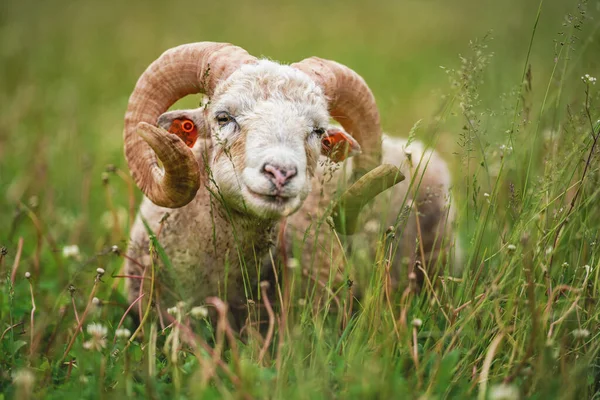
[275,199]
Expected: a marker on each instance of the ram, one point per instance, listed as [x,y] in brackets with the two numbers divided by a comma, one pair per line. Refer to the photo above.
[259,138]
[420,201]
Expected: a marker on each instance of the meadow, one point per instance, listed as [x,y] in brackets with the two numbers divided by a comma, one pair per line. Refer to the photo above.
[504,90]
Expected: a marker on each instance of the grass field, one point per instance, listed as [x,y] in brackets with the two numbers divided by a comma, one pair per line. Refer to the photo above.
[500,88]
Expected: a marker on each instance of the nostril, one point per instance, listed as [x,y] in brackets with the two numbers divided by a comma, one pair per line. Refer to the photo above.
[279,175]
[267,170]
[291,172]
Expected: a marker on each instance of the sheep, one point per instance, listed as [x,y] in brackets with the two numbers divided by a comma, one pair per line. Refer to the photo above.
[429,196]
[256,151]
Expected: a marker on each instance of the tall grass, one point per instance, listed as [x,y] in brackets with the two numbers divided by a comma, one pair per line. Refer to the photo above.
[511,110]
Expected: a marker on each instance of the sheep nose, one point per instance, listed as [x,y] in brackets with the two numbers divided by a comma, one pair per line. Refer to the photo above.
[279,175]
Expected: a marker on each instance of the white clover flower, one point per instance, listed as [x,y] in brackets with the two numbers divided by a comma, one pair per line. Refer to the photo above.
[486,195]
[293,263]
[172,311]
[504,392]
[580,333]
[100,271]
[511,247]
[98,337]
[417,322]
[97,330]
[23,378]
[123,333]
[199,312]
[27,275]
[71,251]
[96,301]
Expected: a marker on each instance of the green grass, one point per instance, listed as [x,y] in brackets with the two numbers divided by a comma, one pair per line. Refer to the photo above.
[511,115]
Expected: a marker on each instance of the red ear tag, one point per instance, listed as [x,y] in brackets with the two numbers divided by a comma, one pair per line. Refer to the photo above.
[186,130]
[336,145]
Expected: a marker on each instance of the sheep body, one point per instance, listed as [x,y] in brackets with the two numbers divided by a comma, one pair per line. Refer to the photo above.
[426,189]
[215,253]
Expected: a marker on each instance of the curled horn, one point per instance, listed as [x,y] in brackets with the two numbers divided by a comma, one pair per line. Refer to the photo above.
[183,70]
[352,104]
[346,210]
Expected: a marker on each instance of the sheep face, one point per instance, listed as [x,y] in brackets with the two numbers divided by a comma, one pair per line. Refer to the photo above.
[266,122]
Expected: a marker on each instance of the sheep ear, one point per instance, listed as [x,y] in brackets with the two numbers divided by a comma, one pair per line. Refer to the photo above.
[188,125]
[338,145]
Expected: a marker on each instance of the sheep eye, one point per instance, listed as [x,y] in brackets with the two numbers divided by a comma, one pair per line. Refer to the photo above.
[319,131]
[223,118]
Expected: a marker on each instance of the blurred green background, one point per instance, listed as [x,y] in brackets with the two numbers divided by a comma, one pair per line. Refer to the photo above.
[68,67]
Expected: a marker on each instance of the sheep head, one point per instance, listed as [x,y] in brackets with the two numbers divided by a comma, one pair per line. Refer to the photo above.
[265,122]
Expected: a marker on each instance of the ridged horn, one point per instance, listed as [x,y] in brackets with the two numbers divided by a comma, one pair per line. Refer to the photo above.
[352,104]
[183,70]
